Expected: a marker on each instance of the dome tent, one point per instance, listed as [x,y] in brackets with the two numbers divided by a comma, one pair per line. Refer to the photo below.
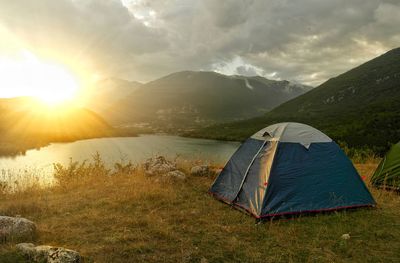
[387,174]
[290,168]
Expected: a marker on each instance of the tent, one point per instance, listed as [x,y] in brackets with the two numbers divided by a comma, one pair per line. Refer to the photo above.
[290,168]
[387,174]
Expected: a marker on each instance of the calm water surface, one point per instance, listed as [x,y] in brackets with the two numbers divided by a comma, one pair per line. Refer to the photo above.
[37,165]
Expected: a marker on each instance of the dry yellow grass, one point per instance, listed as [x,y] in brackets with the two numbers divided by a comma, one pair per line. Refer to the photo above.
[133,218]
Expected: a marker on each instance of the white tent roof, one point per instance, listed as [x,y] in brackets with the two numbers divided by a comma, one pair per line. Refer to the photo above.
[291,132]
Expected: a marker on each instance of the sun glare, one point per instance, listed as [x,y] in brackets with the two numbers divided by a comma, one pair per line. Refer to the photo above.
[51,83]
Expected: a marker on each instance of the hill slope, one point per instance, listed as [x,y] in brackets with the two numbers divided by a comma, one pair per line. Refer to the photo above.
[360,107]
[108,91]
[186,99]
[26,123]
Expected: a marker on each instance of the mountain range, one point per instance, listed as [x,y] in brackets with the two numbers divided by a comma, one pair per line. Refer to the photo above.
[174,103]
[359,108]
[188,99]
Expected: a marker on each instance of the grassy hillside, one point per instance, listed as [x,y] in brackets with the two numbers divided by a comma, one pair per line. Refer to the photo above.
[360,108]
[26,123]
[128,217]
[188,99]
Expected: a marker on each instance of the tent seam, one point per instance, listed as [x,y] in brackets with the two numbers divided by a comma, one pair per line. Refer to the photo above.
[269,177]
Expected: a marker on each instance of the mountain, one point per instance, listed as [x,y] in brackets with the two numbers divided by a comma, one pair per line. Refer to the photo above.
[26,123]
[108,91]
[360,108]
[188,99]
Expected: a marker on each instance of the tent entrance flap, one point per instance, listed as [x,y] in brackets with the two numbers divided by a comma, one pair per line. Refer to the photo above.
[253,191]
[228,182]
[248,169]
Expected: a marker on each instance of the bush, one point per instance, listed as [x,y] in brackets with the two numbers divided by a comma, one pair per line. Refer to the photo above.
[358,155]
[76,172]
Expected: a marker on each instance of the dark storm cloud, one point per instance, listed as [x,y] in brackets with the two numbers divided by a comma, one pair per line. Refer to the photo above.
[305,41]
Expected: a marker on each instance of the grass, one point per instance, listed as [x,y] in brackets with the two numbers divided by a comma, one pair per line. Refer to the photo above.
[125,216]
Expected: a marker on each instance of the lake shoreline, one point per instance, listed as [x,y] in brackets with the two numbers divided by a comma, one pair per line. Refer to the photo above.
[12,149]
[15,146]
[112,150]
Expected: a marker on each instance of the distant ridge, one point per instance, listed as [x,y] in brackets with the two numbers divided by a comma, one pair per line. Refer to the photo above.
[188,99]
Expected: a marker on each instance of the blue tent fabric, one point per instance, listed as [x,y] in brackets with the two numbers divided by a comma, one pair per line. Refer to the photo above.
[275,176]
[318,178]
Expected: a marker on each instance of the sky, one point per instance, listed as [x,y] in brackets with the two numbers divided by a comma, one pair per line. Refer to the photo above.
[306,41]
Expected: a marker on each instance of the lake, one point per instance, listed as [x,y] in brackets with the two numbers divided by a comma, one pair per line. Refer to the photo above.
[37,165]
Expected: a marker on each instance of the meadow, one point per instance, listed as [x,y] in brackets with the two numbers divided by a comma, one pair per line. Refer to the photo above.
[122,215]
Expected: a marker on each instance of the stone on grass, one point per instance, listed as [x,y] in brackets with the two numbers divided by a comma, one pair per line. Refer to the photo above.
[175,174]
[200,170]
[345,236]
[16,229]
[48,254]
[158,165]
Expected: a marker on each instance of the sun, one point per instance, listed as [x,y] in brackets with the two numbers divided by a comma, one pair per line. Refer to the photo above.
[58,85]
[50,83]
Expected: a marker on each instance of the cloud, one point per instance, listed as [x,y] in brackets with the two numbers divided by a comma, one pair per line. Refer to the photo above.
[141,40]
[238,66]
[102,34]
[246,71]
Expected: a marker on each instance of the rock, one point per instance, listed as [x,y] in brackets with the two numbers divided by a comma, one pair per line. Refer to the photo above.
[345,236]
[200,170]
[175,174]
[62,255]
[158,165]
[48,254]
[25,248]
[16,228]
